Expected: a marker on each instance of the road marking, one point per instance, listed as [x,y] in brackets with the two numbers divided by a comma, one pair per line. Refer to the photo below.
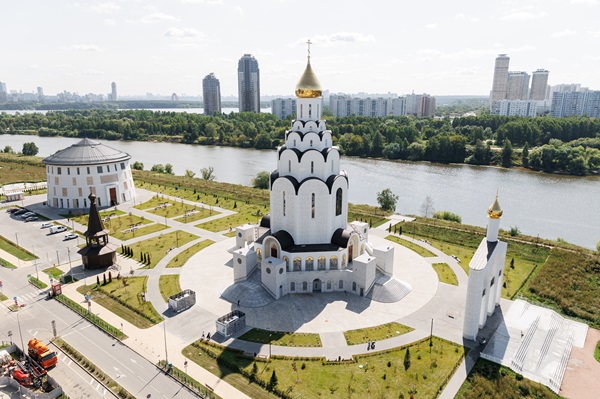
[92,380]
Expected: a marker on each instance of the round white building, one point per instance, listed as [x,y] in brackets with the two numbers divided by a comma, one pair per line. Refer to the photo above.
[72,172]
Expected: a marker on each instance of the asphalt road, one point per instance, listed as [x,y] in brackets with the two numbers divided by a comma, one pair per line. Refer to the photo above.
[133,372]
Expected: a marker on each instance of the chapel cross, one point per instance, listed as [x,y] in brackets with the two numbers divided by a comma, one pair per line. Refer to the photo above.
[309,43]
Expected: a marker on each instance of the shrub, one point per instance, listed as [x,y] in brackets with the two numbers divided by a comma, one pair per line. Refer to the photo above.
[447,215]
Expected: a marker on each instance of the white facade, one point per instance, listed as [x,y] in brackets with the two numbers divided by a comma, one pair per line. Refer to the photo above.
[486,272]
[518,108]
[283,107]
[71,177]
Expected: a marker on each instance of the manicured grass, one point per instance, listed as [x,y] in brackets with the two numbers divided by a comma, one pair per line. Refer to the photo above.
[7,264]
[157,247]
[169,285]
[378,333]
[445,273]
[367,213]
[230,234]
[37,283]
[15,250]
[184,256]
[123,298]
[140,231]
[172,210]
[82,218]
[282,338]
[491,380]
[2,297]
[411,245]
[19,168]
[376,375]
[597,352]
[55,272]
[199,214]
[246,214]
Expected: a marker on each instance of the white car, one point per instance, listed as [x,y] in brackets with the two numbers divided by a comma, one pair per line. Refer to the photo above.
[46,225]
[70,236]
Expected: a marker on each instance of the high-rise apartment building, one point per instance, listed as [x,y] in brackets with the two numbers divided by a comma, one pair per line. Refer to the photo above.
[576,103]
[518,108]
[539,85]
[500,82]
[3,92]
[211,94]
[426,107]
[517,87]
[283,107]
[113,91]
[249,84]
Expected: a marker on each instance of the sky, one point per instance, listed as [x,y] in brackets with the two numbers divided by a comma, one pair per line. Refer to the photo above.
[439,47]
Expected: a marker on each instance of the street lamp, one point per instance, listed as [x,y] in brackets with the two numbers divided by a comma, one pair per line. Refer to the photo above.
[70,270]
[17,237]
[166,353]
[57,259]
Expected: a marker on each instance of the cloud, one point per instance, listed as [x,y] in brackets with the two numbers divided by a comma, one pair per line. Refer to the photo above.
[596,34]
[105,8]
[563,33]
[523,14]
[209,2]
[110,22]
[431,26]
[337,38]
[92,72]
[586,2]
[85,47]
[186,33]
[157,17]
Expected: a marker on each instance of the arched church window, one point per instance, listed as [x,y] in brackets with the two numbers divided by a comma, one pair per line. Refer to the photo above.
[284,203]
[292,286]
[317,109]
[329,285]
[341,285]
[294,142]
[301,111]
[259,254]
[297,264]
[290,166]
[304,286]
[343,261]
[321,263]
[309,264]
[333,263]
[312,167]
[354,286]
[310,110]
[338,201]
[312,209]
[311,143]
[287,263]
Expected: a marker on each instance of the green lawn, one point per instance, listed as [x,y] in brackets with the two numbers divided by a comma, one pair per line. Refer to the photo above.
[199,214]
[55,272]
[169,285]
[490,380]
[445,273]
[412,246]
[282,338]
[157,247]
[18,168]
[378,333]
[82,218]
[15,250]
[2,297]
[7,264]
[245,214]
[597,352]
[184,256]
[140,231]
[123,298]
[376,375]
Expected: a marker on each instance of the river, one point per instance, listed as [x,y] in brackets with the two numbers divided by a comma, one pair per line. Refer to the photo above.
[537,203]
[266,110]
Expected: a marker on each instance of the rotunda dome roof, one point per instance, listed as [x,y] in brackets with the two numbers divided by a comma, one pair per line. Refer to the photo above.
[87,152]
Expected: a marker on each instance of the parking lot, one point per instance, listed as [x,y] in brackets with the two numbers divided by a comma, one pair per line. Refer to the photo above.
[51,249]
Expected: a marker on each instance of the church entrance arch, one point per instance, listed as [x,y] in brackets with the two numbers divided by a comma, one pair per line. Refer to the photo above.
[271,248]
[316,285]
[352,247]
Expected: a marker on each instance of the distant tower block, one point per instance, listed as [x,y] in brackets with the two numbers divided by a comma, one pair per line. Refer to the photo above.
[486,272]
[113,91]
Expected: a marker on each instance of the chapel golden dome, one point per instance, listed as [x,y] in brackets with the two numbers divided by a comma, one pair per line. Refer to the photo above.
[308,86]
[494,211]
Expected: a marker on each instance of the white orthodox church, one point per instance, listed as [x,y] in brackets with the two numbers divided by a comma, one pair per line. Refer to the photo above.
[486,272]
[305,244]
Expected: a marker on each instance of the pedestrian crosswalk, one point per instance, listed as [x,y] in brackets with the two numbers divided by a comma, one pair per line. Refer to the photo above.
[29,296]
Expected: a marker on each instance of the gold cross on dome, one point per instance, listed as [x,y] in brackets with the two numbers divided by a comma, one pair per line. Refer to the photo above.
[309,43]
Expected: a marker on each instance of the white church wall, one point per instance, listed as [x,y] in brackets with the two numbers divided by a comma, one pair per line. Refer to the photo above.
[385,259]
[273,276]
[244,262]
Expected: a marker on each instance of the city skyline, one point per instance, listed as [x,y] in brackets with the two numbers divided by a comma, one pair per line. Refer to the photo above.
[168,47]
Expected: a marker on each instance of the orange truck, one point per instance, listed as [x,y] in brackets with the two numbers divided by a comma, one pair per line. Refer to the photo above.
[41,354]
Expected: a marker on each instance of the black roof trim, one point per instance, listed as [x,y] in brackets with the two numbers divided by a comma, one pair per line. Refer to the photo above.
[285,239]
[329,183]
[324,152]
[340,238]
[266,221]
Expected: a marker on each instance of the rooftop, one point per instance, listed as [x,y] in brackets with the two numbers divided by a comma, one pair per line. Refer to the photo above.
[87,152]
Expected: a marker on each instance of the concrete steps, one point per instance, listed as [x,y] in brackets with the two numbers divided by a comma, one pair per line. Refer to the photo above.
[388,289]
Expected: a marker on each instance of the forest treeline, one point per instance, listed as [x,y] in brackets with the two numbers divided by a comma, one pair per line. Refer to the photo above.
[567,145]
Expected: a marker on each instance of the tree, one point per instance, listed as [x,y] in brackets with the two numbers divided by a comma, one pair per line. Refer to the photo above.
[8,150]
[525,156]
[159,168]
[514,231]
[507,151]
[407,359]
[138,165]
[387,200]
[427,206]
[189,173]
[30,149]
[598,246]
[261,180]
[272,381]
[169,169]
[208,173]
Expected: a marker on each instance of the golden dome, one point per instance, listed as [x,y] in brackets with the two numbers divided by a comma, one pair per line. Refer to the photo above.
[308,86]
[494,211]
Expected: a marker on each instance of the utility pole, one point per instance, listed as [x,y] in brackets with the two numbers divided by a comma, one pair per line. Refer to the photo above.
[166,353]
[70,270]
[21,334]
[431,336]
[17,237]
[57,259]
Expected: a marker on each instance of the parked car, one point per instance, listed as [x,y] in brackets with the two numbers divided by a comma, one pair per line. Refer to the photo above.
[57,229]
[46,225]
[12,210]
[20,212]
[70,236]
[26,215]
[31,218]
